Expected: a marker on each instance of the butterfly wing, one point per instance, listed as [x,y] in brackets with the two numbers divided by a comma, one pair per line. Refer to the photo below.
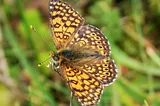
[64,21]
[92,38]
[104,69]
[86,88]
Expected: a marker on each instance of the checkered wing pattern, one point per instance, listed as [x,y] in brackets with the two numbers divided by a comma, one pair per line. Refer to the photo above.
[64,21]
[103,69]
[92,38]
[85,88]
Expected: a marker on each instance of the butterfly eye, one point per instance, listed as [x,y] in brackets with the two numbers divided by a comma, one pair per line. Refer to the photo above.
[56,58]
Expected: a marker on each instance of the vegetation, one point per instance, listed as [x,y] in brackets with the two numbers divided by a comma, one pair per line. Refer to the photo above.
[131,26]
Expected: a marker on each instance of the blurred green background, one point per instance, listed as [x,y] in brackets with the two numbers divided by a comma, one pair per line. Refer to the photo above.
[132,27]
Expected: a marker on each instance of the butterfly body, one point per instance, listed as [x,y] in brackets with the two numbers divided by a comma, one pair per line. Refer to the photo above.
[83,54]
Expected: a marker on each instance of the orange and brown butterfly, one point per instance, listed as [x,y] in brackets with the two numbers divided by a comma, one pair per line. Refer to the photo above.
[82,56]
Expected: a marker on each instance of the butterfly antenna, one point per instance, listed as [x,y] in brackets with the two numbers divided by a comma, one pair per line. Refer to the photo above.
[40,64]
[32,28]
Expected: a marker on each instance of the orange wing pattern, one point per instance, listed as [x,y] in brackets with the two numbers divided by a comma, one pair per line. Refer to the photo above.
[86,88]
[92,38]
[103,69]
[65,22]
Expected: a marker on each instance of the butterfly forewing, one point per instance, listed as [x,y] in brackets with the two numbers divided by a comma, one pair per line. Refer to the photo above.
[64,21]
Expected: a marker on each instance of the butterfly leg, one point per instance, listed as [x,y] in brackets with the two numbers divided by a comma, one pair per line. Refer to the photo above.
[71,98]
[56,68]
[60,75]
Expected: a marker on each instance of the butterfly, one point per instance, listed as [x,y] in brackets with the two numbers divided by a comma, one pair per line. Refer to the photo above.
[82,56]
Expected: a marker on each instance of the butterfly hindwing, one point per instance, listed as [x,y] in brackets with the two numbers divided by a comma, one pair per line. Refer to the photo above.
[92,38]
[103,69]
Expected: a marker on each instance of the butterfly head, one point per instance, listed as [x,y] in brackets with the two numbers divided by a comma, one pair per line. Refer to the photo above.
[55,61]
